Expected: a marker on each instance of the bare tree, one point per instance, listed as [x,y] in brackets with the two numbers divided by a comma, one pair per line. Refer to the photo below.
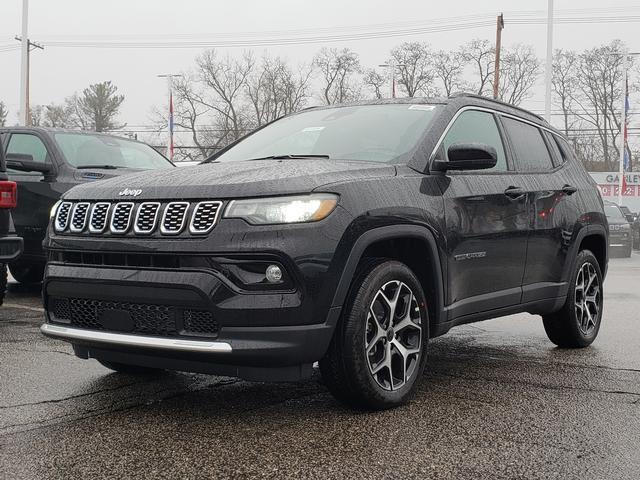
[338,69]
[481,55]
[274,90]
[3,114]
[35,115]
[448,68]
[565,84]
[414,63]
[520,68]
[375,81]
[224,80]
[57,116]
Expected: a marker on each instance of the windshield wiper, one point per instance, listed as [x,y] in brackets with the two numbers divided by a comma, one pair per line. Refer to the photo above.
[286,157]
[104,167]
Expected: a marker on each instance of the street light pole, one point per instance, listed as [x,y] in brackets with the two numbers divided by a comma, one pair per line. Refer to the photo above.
[24,68]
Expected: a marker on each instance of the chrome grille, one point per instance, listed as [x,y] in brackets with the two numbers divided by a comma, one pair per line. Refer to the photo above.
[143,218]
[121,217]
[62,216]
[204,217]
[98,219]
[174,218]
[146,217]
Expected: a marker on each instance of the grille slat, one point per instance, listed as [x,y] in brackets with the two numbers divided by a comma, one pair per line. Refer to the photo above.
[62,216]
[99,215]
[79,217]
[121,217]
[205,215]
[174,217]
[148,319]
[146,218]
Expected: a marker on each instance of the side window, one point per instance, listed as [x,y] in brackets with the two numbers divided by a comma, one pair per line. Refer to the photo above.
[530,148]
[480,127]
[27,144]
[558,157]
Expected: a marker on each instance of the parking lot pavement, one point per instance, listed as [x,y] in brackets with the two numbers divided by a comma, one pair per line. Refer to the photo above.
[497,401]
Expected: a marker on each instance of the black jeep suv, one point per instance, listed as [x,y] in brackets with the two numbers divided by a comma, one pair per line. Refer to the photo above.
[348,235]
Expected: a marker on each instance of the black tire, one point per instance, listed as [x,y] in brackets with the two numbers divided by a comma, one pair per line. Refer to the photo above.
[129,369]
[27,272]
[346,367]
[3,282]
[565,328]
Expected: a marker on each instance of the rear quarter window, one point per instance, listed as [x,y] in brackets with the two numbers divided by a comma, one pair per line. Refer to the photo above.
[531,152]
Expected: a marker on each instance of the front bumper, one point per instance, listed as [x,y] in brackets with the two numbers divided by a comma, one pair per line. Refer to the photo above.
[257,335]
[10,248]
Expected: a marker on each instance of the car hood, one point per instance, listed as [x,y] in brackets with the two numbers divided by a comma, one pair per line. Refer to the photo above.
[230,180]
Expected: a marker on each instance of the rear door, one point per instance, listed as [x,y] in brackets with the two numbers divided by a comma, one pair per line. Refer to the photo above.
[550,187]
[486,223]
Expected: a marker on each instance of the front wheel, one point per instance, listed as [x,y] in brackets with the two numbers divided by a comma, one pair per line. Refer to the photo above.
[577,324]
[27,272]
[378,352]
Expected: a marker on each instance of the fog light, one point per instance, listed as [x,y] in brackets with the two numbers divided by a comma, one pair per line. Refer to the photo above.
[274,274]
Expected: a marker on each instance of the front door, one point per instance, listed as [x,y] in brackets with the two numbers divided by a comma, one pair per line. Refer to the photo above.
[35,195]
[487,218]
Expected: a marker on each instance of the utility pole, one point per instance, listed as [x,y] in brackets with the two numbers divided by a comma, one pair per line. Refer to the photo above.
[549,67]
[496,70]
[25,103]
[170,77]
[24,75]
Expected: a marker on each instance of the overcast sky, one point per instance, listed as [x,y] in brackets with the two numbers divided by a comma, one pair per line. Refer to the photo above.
[59,71]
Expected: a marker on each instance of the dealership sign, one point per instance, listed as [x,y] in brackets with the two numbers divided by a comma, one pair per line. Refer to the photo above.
[609,184]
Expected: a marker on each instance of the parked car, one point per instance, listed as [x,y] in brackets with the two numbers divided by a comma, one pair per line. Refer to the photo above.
[620,234]
[45,163]
[348,235]
[10,244]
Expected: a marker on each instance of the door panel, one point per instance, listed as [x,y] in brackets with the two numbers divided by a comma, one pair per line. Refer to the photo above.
[487,224]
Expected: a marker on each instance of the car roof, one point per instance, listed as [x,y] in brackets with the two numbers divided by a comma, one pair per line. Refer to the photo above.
[50,131]
[456,101]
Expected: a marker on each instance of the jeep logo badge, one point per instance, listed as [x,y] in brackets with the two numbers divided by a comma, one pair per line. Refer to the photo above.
[127,192]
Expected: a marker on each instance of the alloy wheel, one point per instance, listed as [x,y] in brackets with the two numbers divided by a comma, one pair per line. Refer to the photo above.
[587,298]
[393,335]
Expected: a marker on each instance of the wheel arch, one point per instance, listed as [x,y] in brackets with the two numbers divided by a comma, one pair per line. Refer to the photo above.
[399,242]
[595,239]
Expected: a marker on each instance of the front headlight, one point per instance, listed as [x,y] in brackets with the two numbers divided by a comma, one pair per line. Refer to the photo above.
[625,226]
[54,209]
[295,209]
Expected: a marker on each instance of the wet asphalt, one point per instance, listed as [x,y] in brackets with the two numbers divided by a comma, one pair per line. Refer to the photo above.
[497,400]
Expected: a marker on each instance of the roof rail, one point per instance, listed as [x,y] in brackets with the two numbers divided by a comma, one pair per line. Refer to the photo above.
[499,102]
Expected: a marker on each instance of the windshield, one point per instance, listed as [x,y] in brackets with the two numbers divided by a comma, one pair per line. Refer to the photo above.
[612,211]
[379,133]
[82,150]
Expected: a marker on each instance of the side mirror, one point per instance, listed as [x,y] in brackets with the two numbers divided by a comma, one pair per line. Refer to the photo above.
[25,163]
[468,156]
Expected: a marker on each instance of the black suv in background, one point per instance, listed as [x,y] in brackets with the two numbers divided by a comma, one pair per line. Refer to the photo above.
[348,235]
[620,230]
[45,163]
[10,244]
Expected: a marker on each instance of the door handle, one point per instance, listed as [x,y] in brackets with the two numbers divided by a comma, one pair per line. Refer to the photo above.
[569,189]
[514,192]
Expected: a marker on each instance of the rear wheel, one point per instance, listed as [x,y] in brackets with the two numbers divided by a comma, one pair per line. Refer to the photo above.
[378,351]
[577,324]
[27,272]
[128,369]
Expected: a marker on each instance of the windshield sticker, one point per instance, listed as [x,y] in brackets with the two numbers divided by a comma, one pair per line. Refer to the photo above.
[313,129]
[426,108]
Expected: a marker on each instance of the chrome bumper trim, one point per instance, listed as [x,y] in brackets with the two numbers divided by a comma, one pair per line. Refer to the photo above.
[70,334]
